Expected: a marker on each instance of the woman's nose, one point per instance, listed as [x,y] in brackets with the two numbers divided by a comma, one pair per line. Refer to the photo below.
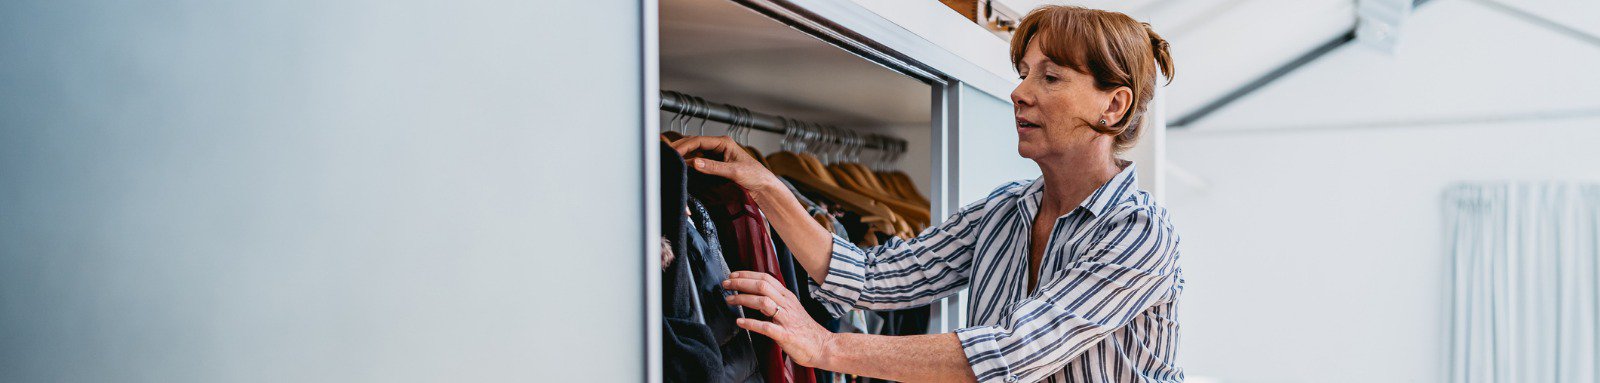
[1021,95]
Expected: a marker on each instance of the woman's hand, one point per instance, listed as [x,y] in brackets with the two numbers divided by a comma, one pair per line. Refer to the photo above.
[803,339]
[736,164]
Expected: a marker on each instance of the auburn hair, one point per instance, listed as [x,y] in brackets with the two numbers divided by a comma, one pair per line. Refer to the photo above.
[1113,48]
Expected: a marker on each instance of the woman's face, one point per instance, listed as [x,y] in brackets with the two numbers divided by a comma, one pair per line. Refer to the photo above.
[1054,107]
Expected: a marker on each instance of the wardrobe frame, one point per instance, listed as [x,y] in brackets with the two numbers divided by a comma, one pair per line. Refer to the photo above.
[852,28]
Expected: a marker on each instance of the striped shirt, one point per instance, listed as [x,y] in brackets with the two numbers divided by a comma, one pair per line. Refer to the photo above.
[1104,308]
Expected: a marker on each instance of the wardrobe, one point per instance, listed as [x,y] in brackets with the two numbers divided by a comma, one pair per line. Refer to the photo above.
[770,74]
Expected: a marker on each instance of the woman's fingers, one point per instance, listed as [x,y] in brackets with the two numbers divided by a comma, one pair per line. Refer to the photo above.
[691,144]
[751,286]
[764,278]
[765,305]
[771,330]
[720,156]
[713,167]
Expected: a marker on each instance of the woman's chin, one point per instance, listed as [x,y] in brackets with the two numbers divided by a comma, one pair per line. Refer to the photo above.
[1029,150]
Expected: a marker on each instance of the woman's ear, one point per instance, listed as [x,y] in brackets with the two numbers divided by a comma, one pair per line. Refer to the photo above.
[1121,99]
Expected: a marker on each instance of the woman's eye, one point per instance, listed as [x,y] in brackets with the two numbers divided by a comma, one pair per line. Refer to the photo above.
[1051,79]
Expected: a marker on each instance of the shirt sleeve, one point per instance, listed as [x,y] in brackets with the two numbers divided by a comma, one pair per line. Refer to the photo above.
[905,273]
[1128,270]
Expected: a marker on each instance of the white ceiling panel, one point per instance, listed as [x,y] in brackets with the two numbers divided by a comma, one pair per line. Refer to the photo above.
[1228,49]
[1583,15]
[1458,61]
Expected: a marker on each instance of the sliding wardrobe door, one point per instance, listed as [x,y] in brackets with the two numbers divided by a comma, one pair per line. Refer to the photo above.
[321,191]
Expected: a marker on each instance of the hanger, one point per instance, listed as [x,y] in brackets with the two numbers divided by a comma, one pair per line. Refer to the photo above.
[798,169]
[669,127]
[845,145]
[898,179]
[811,162]
[739,131]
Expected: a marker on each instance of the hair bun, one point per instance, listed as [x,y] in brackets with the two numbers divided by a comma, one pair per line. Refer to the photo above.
[1161,50]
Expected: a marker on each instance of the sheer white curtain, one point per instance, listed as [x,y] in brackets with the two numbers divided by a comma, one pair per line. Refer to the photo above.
[1526,282]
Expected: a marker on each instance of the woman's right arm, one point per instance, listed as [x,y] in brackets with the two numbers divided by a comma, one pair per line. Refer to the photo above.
[810,243]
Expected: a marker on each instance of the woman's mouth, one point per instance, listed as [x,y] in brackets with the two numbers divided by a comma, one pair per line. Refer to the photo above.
[1023,123]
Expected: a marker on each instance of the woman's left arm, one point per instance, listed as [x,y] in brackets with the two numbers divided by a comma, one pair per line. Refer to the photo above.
[1116,278]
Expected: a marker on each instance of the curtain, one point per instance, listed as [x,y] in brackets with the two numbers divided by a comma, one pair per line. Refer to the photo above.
[1525,285]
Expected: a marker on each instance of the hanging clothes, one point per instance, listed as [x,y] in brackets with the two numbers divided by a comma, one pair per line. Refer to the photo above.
[749,247]
[740,360]
[700,342]
[690,351]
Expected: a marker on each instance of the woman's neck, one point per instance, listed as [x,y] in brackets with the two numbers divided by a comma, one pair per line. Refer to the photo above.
[1068,182]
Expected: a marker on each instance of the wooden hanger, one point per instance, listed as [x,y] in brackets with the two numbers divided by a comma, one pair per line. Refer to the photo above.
[907,187]
[893,185]
[854,174]
[791,165]
[815,166]
[899,187]
[850,179]
[871,179]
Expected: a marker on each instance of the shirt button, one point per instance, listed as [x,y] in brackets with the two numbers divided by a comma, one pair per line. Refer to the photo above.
[1011,378]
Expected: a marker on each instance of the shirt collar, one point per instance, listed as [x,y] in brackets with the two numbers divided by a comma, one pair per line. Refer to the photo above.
[1098,203]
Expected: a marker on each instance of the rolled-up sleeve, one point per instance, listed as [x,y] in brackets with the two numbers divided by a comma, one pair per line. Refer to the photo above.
[905,273]
[1131,268]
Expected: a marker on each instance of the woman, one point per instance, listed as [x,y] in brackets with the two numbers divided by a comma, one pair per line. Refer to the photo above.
[1073,276]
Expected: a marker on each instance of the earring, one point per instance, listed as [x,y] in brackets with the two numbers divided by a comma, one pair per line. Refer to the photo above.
[1102,122]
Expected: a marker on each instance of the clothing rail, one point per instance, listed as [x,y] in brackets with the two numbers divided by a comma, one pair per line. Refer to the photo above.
[684,104]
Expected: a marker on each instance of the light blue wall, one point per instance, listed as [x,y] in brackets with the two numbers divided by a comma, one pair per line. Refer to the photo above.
[304,190]
[988,143]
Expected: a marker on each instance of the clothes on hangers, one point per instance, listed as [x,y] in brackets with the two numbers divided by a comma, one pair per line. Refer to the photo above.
[694,311]
[691,354]
[724,230]
[741,361]
[678,297]
[749,247]
[674,197]
[711,269]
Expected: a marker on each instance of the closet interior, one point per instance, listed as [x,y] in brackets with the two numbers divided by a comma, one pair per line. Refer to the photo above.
[852,138]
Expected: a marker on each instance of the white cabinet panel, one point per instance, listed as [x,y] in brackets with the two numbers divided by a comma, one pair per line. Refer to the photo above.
[299,191]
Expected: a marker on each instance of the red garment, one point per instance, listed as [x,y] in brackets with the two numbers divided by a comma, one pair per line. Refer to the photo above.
[747,245]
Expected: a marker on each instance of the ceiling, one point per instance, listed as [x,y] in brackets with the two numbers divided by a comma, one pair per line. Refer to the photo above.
[1457,62]
[724,52]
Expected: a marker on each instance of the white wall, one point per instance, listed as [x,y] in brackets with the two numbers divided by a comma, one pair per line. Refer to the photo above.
[1317,256]
[1312,245]
[305,191]
[988,146]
